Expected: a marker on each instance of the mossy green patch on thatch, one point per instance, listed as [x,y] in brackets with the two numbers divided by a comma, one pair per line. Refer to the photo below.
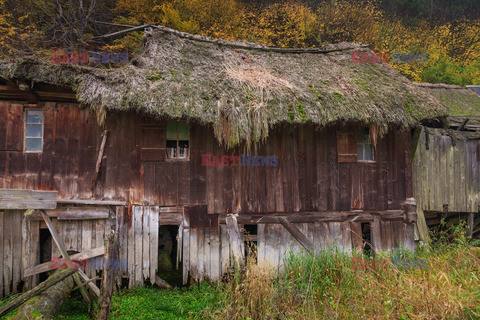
[460,101]
[241,89]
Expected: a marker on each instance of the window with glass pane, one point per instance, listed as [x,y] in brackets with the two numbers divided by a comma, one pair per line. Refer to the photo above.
[364,145]
[178,140]
[34,131]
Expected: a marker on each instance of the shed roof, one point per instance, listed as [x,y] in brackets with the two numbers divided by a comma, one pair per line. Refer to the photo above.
[242,89]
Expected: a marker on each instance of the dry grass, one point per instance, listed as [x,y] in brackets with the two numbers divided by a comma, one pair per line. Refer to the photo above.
[328,287]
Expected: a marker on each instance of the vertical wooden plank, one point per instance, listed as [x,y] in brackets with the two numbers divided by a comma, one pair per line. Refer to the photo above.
[2,255]
[34,256]
[197,171]
[25,249]
[201,253]
[207,254]
[225,249]
[215,256]
[186,251]
[333,192]
[286,165]
[376,236]
[322,171]
[131,247]
[261,244]
[16,248]
[387,236]
[153,242]
[138,212]
[194,253]
[87,236]
[278,177]
[146,242]
[7,251]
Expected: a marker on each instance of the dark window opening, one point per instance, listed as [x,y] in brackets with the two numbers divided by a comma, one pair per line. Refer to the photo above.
[367,239]
[178,140]
[250,241]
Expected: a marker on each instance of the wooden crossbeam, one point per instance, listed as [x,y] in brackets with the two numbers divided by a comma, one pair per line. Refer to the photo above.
[47,266]
[27,199]
[297,234]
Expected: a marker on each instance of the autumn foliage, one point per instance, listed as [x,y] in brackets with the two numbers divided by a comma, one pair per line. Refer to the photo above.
[452,45]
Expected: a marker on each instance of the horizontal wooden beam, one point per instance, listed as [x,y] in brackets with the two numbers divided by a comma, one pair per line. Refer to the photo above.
[74,213]
[323,216]
[27,199]
[47,266]
[94,202]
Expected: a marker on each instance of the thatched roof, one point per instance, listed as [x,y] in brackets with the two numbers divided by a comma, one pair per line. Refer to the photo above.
[242,89]
[462,103]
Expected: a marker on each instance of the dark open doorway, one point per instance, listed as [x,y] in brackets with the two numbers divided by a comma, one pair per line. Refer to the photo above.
[169,267]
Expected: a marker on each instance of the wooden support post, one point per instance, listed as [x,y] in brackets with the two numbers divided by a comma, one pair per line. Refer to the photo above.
[99,159]
[108,275]
[235,241]
[66,256]
[52,280]
[297,234]
[471,219]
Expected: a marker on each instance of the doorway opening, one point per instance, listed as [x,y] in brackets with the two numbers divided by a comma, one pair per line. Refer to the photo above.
[367,239]
[170,268]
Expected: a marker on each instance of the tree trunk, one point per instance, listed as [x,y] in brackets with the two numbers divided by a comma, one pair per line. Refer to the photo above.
[48,302]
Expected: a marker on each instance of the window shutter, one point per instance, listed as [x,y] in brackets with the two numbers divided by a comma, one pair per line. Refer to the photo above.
[347,147]
[153,142]
[11,127]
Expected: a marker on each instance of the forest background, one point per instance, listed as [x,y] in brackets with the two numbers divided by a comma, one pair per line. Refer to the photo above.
[447,30]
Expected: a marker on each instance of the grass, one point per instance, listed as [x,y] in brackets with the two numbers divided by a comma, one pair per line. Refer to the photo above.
[324,286]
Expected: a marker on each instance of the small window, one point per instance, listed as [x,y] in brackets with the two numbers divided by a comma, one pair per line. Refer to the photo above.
[364,145]
[178,140]
[34,131]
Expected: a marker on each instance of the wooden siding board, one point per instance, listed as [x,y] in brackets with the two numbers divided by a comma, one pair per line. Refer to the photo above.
[153,243]
[7,251]
[138,238]
[2,254]
[145,264]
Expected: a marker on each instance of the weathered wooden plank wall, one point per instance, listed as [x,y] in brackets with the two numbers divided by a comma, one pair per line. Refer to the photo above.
[446,175]
[140,244]
[202,246]
[10,251]
[308,177]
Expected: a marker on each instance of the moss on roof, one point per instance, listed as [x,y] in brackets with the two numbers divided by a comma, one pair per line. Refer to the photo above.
[460,101]
[242,89]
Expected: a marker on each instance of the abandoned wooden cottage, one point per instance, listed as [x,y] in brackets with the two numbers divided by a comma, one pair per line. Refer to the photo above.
[306,147]
[447,161]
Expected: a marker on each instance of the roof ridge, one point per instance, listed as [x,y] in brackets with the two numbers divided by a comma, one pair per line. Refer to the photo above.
[342,46]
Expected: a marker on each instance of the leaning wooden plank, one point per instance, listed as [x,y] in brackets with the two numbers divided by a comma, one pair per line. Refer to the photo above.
[297,234]
[162,284]
[235,240]
[27,199]
[65,255]
[99,159]
[47,266]
[52,280]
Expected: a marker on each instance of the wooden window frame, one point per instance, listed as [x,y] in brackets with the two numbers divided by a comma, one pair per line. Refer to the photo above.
[178,144]
[364,144]
[25,125]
